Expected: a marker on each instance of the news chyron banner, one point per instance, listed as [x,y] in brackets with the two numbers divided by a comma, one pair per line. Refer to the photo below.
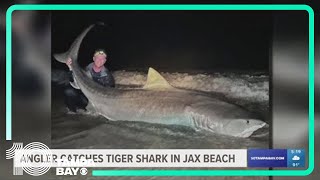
[36,158]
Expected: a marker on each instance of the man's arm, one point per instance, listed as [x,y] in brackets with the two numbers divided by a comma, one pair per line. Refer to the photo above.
[72,80]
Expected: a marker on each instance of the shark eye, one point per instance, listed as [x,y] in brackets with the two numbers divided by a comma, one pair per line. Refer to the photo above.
[248,121]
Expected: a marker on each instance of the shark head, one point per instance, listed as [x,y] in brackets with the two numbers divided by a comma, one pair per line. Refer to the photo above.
[243,127]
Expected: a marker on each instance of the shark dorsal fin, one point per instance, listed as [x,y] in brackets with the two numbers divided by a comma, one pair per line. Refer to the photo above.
[156,81]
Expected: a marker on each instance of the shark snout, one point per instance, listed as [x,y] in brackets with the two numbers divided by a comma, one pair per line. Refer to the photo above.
[244,127]
[252,127]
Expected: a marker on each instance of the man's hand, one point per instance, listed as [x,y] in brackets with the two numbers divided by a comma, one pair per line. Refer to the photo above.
[68,63]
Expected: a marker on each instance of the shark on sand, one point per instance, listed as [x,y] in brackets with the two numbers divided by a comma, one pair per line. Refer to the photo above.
[159,102]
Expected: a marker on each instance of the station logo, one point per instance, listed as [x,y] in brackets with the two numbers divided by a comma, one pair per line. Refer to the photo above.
[42,152]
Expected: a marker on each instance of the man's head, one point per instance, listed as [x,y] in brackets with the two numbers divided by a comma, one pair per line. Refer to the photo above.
[99,57]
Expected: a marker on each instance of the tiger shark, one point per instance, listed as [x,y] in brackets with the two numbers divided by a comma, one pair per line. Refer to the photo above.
[159,102]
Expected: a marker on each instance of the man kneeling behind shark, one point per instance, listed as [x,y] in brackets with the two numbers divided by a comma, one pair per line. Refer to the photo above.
[74,98]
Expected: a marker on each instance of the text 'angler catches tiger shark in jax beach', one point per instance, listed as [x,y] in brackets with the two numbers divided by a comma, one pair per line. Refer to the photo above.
[159,102]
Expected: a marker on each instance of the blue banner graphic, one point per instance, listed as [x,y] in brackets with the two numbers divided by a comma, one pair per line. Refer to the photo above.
[267,158]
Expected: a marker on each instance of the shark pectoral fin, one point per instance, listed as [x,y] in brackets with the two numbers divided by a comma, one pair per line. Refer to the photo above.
[74,84]
[156,81]
[90,107]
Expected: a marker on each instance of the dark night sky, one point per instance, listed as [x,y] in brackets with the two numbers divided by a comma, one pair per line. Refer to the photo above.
[170,40]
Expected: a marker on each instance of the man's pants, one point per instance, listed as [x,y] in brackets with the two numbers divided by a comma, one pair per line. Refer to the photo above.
[75,99]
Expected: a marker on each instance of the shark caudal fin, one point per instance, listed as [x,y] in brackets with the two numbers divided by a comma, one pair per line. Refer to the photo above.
[74,49]
[62,57]
[156,81]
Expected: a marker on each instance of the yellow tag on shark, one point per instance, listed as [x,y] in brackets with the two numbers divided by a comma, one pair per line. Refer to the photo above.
[156,81]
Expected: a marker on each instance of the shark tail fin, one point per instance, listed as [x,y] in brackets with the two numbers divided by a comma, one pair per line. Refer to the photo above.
[62,57]
[74,49]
